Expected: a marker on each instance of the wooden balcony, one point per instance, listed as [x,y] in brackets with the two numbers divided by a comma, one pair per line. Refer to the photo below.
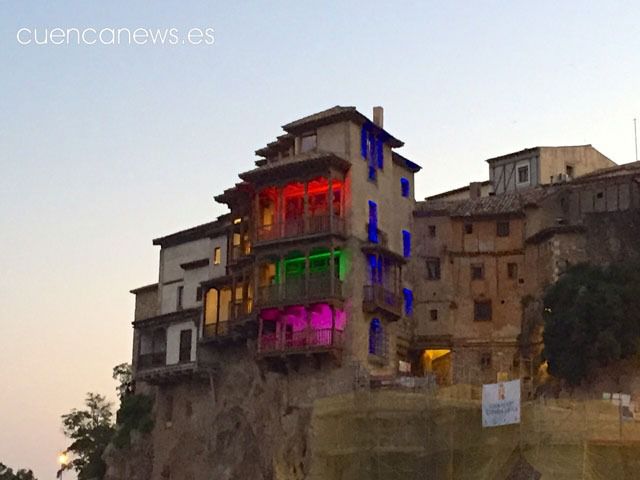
[300,291]
[239,325]
[297,228]
[153,369]
[301,342]
[377,298]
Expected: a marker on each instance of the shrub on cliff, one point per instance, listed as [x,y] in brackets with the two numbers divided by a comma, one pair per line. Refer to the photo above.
[591,319]
[7,473]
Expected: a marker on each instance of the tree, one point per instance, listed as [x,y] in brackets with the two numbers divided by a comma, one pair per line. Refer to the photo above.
[124,376]
[7,474]
[90,430]
[591,319]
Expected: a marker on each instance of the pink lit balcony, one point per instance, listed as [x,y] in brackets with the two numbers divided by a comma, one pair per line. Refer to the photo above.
[300,342]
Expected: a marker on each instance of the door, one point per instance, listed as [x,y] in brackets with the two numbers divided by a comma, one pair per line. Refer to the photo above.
[185,345]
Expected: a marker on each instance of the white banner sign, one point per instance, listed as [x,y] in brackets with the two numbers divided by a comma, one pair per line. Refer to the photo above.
[501,403]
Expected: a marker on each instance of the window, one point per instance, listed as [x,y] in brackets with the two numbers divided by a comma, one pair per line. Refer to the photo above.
[308,142]
[512,270]
[185,345]
[477,271]
[432,231]
[523,174]
[199,294]
[433,268]
[408,301]
[404,187]
[217,256]
[372,173]
[377,339]
[433,315]
[179,295]
[569,170]
[468,228]
[482,311]
[485,360]
[406,243]
[502,229]
[373,222]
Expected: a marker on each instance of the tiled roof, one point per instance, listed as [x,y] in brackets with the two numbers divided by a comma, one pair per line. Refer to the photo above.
[504,204]
[624,169]
[329,113]
[194,233]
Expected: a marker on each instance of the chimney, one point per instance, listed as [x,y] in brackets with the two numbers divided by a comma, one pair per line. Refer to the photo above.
[475,190]
[378,116]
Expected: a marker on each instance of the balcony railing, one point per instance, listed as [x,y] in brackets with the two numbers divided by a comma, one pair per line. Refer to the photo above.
[301,341]
[296,290]
[151,360]
[238,310]
[238,252]
[297,227]
[376,296]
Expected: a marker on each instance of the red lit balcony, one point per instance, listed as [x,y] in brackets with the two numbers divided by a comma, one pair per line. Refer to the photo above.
[377,297]
[300,209]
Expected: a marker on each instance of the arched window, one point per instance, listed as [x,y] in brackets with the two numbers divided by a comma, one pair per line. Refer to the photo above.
[377,339]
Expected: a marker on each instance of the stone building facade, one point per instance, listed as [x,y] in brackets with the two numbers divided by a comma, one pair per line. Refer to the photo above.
[326,273]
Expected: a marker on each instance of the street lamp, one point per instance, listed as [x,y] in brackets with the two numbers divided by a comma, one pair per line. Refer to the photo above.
[63,460]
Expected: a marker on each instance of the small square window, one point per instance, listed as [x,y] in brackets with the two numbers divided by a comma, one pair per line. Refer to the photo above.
[433,315]
[308,142]
[482,311]
[600,195]
[477,271]
[523,174]
[432,231]
[485,360]
[433,268]
[502,229]
[217,256]
[468,228]
[512,270]
[404,187]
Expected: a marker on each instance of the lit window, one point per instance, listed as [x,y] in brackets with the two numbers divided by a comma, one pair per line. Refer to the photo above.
[502,229]
[408,301]
[217,256]
[404,187]
[406,243]
[237,220]
[482,311]
[523,174]
[477,271]
[373,222]
[377,339]
[308,142]
[433,268]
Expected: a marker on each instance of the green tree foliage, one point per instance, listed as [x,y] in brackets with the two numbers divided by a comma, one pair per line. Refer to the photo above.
[135,409]
[591,319]
[8,474]
[124,376]
[90,430]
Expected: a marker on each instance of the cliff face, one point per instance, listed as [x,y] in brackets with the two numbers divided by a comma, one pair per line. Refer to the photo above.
[242,419]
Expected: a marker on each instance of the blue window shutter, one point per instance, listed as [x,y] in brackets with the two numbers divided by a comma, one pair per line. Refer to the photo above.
[408,301]
[406,243]
[372,148]
[373,222]
[380,153]
[363,141]
[372,172]
[404,187]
